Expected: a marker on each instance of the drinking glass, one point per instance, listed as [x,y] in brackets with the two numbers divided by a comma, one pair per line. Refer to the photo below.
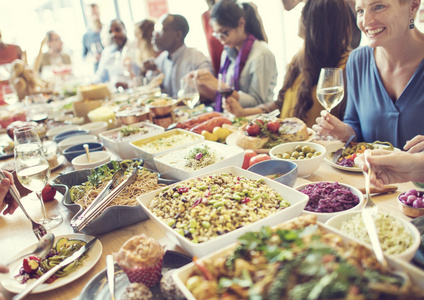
[33,172]
[9,94]
[225,89]
[189,92]
[330,89]
[26,134]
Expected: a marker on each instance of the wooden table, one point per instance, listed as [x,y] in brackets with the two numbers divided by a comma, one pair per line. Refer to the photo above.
[16,233]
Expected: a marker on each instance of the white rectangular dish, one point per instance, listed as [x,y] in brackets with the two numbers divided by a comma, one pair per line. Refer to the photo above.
[173,164]
[181,276]
[296,199]
[121,146]
[162,143]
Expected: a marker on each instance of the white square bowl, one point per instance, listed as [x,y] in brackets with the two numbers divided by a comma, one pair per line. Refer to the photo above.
[123,148]
[180,276]
[181,139]
[296,199]
[171,164]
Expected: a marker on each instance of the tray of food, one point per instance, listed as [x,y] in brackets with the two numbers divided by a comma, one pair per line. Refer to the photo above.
[300,259]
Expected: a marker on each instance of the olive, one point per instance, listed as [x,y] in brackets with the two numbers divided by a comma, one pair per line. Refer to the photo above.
[301,157]
[309,155]
[298,148]
[286,156]
[295,154]
[306,149]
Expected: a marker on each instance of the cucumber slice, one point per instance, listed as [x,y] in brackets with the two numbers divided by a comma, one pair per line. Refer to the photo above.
[60,243]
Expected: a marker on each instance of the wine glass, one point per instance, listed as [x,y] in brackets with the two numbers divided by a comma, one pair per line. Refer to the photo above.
[189,92]
[330,89]
[9,94]
[26,134]
[33,172]
[225,89]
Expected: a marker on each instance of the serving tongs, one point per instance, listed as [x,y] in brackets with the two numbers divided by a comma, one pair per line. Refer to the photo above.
[102,204]
[111,185]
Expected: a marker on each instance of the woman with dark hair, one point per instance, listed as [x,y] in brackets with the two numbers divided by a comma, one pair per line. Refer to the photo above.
[326,30]
[143,32]
[246,60]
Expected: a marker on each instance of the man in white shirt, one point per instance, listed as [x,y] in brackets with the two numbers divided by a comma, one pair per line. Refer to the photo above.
[176,59]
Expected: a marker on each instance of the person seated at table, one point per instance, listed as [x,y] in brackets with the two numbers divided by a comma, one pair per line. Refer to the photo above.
[393,167]
[356,32]
[247,60]
[325,27]
[384,79]
[92,46]
[6,198]
[9,52]
[55,55]
[112,66]
[176,59]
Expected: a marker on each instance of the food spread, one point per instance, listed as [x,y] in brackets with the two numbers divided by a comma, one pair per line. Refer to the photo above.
[166,142]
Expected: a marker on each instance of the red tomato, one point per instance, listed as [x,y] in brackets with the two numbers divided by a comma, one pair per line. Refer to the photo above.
[248,154]
[253,129]
[273,126]
[257,121]
[48,193]
[258,158]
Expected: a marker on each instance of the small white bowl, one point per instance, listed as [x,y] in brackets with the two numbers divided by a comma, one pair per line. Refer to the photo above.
[95,127]
[305,167]
[75,140]
[60,129]
[97,158]
[323,217]
[337,221]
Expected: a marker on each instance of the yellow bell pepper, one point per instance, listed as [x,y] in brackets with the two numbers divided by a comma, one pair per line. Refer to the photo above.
[221,132]
[209,136]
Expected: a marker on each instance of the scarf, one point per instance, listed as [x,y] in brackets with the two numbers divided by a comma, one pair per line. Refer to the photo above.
[240,62]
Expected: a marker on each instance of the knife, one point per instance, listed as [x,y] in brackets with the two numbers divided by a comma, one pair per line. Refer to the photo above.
[110,269]
[47,275]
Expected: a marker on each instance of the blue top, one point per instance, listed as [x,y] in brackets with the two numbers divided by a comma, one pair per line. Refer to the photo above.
[258,77]
[91,43]
[177,65]
[371,112]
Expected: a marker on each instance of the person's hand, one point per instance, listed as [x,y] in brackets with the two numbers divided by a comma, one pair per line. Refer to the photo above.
[207,84]
[6,198]
[415,145]
[328,124]
[148,65]
[3,269]
[392,166]
[234,107]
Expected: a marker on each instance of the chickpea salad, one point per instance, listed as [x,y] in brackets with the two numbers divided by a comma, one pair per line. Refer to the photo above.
[206,207]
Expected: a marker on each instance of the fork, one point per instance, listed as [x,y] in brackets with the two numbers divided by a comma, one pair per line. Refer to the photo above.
[38,229]
[367,176]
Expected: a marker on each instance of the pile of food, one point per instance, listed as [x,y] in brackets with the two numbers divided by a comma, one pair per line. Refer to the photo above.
[329,197]
[166,142]
[297,260]
[35,267]
[412,198]
[25,80]
[128,132]
[206,207]
[393,236]
[205,122]
[265,134]
[354,149]
[85,193]
[299,153]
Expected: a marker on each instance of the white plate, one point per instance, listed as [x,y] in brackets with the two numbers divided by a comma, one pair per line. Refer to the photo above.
[94,253]
[334,147]
[60,161]
[232,140]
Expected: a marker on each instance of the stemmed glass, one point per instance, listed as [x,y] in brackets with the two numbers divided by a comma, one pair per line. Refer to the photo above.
[225,89]
[189,92]
[25,135]
[330,89]
[33,172]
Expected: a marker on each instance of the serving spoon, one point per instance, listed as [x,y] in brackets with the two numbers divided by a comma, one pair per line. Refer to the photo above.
[43,248]
[339,152]
[87,152]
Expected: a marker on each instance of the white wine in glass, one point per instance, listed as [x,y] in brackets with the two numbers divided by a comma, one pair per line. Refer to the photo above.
[33,172]
[330,88]
[189,92]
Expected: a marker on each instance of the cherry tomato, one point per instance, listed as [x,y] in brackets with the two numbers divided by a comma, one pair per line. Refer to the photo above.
[248,154]
[48,193]
[253,129]
[258,158]
[273,126]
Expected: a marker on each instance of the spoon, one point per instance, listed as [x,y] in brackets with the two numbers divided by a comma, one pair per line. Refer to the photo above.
[87,152]
[339,152]
[43,248]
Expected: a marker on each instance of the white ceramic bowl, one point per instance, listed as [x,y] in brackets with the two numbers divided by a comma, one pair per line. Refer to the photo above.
[95,127]
[60,129]
[323,217]
[97,158]
[295,198]
[337,221]
[171,165]
[121,147]
[305,167]
[75,140]
[180,139]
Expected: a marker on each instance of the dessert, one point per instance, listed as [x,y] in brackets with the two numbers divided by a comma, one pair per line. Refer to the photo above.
[168,287]
[137,291]
[141,259]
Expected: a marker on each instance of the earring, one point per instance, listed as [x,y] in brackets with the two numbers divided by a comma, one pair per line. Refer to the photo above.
[411,23]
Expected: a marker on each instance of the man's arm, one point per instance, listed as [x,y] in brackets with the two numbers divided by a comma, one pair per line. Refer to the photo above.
[290,4]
